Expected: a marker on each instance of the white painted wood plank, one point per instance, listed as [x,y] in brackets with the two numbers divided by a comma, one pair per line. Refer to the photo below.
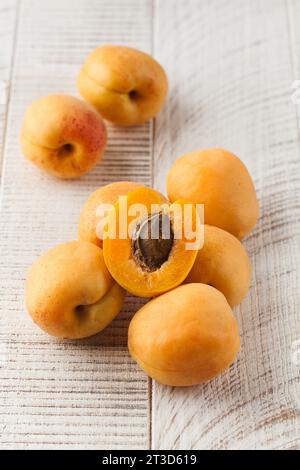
[230,68]
[89,393]
[293,15]
[8,17]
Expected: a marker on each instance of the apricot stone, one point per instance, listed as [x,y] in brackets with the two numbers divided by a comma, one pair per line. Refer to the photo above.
[186,336]
[218,179]
[63,135]
[70,293]
[127,86]
[223,263]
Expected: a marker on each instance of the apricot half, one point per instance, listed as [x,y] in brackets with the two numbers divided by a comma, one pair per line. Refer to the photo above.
[184,337]
[223,263]
[219,180]
[70,293]
[152,248]
[92,217]
[127,86]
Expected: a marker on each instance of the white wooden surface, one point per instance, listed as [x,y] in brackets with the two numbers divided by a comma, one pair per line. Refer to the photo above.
[8,17]
[231,65]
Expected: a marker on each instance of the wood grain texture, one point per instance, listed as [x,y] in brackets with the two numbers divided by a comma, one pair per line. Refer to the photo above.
[89,393]
[231,66]
[8,16]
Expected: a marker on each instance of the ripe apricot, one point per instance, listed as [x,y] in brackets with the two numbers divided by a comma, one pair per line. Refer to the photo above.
[127,86]
[219,180]
[151,256]
[70,293]
[63,135]
[92,222]
[184,337]
[223,263]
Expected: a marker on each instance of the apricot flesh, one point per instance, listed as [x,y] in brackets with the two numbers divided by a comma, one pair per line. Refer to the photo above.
[184,337]
[70,293]
[63,135]
[218,179]
[147,267]
[223,263]
[127,86]
[91,223]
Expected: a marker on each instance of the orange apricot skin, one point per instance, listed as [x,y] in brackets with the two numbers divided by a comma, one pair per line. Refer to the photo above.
[127,86]
[63,135]
[109,194]
[223,263]
[218,179]
[184,337]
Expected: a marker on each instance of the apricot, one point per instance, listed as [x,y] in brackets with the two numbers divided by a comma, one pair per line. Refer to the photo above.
[184,337]
[63,135]
[219,180]
[70,293]
[92,221]
[126,86]
[223,263]
[148,255]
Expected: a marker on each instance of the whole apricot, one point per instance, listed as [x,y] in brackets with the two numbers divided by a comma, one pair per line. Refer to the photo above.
[218,179]
[92,222]
[127,86]
[70,293]
[223,263]
[63,135]
[184,337]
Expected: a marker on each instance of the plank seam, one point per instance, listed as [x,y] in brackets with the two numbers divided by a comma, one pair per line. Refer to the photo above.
[153,127]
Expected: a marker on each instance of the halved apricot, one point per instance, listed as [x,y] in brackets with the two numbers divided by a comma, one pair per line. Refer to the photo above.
[149,245]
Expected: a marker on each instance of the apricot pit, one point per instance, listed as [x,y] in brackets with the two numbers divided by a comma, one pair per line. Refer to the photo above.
[151,253]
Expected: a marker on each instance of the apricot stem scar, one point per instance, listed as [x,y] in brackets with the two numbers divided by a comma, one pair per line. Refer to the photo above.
[65,150]
[133,94]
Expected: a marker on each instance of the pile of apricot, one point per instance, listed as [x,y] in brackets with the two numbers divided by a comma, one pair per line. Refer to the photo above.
[187,333]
